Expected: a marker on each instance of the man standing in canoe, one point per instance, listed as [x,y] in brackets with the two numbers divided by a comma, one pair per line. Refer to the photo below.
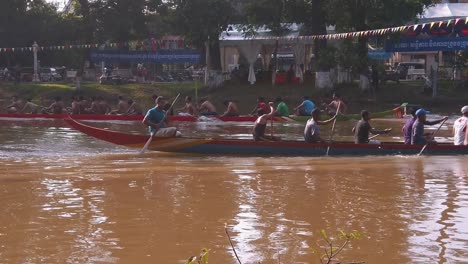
[418,137]
[261,124]
[363,127]
[312,129]
[156,120]
[459,128]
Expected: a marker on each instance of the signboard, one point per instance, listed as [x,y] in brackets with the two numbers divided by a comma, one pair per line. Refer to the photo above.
[432,44]
[162,56]
[379,55]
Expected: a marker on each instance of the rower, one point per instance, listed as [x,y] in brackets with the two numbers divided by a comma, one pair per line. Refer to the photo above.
[312,129]
[94,107]
[206,108]
[84,105]
[134,108]
[231,108]
[408,127]
[333,105]
[103,106]
[261,123]
[15,105]
[156,120]
[122,107]
[459,128]
[30,107]
[281,108]
[363,127]
[56,107]
[260,105]
[305,108]
[418,137]
[75,106]
[188,109]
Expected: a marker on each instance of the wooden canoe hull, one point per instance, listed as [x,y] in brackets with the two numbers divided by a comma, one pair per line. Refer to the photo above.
[261,148]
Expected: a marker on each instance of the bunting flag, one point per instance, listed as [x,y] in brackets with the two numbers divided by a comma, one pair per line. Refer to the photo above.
[138,44]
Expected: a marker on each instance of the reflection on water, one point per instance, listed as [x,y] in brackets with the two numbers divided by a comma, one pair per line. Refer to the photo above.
[69,199]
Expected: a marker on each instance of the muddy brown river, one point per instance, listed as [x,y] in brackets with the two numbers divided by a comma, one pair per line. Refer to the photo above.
[67,198]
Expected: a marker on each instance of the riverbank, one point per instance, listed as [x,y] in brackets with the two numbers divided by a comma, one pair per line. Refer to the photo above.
[450,98]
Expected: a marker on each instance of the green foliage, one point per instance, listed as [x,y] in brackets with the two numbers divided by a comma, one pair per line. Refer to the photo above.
[332,248]
[202,259]
[327,59]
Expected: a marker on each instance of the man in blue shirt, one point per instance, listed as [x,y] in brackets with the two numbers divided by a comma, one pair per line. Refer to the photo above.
[418,137]
[305,108]
[156,120]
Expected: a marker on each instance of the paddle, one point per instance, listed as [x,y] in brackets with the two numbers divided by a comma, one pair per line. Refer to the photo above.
[333,128]
[433,135]
[145,148]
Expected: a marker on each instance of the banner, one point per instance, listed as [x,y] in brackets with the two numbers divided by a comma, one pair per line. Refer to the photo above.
[432,44]
[379,55]
[161,56]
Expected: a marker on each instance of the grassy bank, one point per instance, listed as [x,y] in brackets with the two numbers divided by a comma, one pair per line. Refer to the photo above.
[389,94]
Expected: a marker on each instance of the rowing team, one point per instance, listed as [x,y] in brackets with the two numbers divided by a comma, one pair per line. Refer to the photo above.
[206,108]
[79,105]
[413,129]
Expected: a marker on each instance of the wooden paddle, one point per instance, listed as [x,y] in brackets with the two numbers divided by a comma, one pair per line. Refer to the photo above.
[333,128]
[433,135]
[145,148]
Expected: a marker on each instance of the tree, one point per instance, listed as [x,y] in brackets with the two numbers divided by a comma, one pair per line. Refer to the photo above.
[200,21]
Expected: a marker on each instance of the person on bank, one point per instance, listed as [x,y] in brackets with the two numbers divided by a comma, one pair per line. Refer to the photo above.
[305,108]
[281,109]
[418,137]
[408,127]
[156,119]
[260,125]
[231,110]
[312,128]
[363,127]
[207,108]
[188,109]
[459,128]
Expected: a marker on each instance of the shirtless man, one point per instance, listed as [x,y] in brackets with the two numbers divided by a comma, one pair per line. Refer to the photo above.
[207,108]
[104,108]
[15,105]
[122,107]
[94,108]
[188,109]
[56,107]
[134,108]
[30,107]
[261,124]
[75,106]
[333,105]
[84,105]
[231,108]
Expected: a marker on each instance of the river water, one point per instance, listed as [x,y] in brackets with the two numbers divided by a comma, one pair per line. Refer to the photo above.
[67,198]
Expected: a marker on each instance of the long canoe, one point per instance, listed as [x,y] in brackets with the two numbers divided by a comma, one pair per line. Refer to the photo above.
[260,148]
[396,112]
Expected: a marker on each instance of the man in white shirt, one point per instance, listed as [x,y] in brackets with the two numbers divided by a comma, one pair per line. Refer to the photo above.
[459,128]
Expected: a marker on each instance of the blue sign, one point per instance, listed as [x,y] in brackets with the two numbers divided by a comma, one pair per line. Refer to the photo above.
[161,56]
[432,44]
[379,55]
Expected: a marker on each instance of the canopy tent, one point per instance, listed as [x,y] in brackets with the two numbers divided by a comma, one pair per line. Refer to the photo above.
[439,12]
[235,41]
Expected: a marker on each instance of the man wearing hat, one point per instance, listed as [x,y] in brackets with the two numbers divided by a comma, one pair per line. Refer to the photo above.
[418,137]
[459,128]
[408,127]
